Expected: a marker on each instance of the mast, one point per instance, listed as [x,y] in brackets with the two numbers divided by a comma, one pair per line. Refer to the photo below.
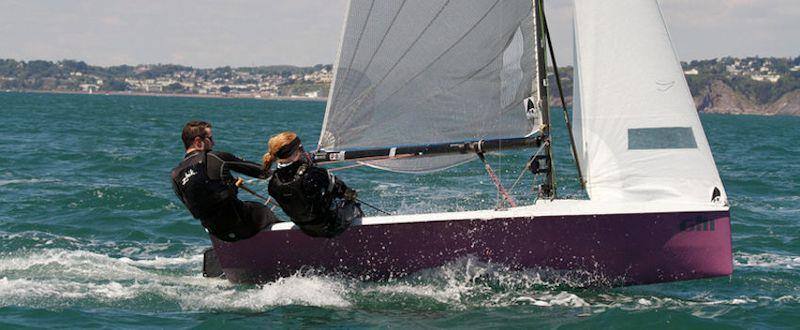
[563,102]
[539,86]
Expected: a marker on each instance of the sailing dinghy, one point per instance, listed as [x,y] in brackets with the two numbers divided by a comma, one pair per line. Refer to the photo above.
[421,86]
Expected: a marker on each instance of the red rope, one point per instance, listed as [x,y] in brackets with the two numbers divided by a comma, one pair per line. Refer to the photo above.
[497,183]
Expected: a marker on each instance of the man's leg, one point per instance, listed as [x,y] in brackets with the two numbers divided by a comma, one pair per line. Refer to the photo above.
[258,215]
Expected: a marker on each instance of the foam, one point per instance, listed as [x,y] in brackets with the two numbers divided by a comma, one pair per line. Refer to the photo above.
[91,264]
[604,302]
[469,282]
[61,278]
[26,181]
[307,290]
[191,293]
[548,299]
[52,293]
[766,260]
[447,295]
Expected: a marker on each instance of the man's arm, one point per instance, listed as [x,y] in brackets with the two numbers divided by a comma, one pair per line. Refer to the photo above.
[236,164]
[177,190]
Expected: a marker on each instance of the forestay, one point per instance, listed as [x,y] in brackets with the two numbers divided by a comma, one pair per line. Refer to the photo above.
[637,132]
[425,71]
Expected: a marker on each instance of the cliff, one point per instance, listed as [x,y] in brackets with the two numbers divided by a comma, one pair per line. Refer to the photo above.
[787,105]
[718,97]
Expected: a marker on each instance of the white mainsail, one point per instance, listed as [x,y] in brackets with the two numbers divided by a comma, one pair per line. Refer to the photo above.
[430,71]
[638,135]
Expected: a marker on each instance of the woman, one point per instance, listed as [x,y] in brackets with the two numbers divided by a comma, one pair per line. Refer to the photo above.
[319,203]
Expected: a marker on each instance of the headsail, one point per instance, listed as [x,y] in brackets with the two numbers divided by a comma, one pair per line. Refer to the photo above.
[638,135]
[416,72]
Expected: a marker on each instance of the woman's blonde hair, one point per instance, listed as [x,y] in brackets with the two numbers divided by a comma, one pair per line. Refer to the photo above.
[276,142]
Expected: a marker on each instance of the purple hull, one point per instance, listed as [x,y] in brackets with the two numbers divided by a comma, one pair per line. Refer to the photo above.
[629,248]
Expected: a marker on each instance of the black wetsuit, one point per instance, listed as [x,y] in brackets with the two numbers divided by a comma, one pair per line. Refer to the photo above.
[314,199]
[203,183]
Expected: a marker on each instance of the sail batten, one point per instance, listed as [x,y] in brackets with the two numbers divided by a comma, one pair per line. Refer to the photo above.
[416,72]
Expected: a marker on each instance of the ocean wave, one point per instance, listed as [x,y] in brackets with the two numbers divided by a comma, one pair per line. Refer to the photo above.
[560,299]
[468,282]
[766,260]
[47,243]
[305,290]
[62,278]
[26,181]
[702,306]
[86,265]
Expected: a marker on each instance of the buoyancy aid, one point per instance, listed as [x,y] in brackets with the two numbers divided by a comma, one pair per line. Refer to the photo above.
[292,198]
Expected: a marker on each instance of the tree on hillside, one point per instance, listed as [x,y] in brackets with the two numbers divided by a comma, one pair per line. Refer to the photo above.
[74,66]
[126,71]
[115,85]
[9,67]
[38,68]
[174,88]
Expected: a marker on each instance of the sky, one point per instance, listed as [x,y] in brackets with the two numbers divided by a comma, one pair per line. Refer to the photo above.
[237,33]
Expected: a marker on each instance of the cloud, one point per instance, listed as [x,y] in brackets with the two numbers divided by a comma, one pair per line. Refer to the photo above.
[708,28]
[113,21]
[206,33]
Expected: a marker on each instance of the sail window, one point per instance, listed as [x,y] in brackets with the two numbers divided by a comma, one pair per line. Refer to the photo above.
[661,138]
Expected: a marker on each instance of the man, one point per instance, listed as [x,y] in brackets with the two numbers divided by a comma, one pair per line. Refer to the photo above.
[318,202]
[204,184]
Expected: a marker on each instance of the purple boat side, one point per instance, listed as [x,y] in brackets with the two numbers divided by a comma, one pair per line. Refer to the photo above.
[629,248]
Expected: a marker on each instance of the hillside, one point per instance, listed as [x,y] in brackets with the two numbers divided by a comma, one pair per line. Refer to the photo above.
[752,85]
[718,97]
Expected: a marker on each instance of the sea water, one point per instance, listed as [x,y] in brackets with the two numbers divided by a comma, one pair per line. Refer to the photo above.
[92,236]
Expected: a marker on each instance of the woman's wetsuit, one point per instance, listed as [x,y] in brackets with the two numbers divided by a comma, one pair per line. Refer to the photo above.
[204,184]
[314,199]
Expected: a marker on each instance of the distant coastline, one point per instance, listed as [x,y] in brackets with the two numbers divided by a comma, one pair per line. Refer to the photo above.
[237,96]
[752,85]
[268,82]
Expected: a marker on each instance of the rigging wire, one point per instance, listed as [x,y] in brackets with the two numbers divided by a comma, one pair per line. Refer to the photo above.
[372,206]
[525,169]
[346,167]
[563,102]
[240,183]
[500,189]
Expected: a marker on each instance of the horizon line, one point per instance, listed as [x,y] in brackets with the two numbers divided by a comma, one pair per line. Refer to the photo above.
[327,64]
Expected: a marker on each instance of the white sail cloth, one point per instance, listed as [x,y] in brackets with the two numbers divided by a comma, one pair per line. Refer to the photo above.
[430,71]
[638,135]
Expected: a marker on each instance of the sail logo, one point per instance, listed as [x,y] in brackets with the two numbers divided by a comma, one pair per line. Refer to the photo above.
[698,224]
[188,175]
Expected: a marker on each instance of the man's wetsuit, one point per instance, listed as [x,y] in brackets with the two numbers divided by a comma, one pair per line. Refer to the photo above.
[314,199]
[204,184]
